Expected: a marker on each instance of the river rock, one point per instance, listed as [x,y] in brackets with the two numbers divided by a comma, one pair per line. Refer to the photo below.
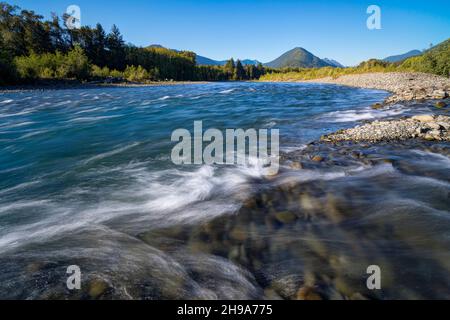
[377,106]
[440,104]
[423,118]
[307,293]
[285,217]
[97,287]
[424,126]
[317,158]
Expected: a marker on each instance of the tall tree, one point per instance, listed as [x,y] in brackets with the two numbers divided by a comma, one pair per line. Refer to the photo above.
[35,34]
[239,72]
[116,49]
[229,68]
[58,36]
[99,41]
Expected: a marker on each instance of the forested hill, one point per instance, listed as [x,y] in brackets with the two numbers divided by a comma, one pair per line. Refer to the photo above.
[298,58]
[33,49]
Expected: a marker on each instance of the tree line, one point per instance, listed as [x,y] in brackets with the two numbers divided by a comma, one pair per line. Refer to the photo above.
[32,48]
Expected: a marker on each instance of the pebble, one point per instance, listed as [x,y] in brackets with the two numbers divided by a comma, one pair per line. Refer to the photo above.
[285,217]
[317,158]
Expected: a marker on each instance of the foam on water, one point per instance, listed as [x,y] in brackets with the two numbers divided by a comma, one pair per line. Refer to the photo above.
[364,114]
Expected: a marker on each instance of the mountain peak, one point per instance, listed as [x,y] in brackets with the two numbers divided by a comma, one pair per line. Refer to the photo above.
[298,57]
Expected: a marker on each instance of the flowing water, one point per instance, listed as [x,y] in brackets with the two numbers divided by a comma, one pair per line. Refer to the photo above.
[86,179]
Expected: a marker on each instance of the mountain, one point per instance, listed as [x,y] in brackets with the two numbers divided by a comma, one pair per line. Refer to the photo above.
[404,56]
[210,62]
[249,62]
[155,46]
[298,58]
[333,63]
[207,61]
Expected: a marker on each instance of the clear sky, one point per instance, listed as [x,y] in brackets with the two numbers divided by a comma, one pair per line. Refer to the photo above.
[262,29]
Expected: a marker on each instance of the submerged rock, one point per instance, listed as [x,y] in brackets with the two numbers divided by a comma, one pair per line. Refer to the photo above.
[440,104]
[317,158]
[307,293]
[285,217]
[377,106]
[97,287]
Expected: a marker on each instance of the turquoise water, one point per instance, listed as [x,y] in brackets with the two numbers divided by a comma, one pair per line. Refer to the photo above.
[86,179]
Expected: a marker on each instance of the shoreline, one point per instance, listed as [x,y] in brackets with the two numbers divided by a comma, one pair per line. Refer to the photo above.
[404,87]
[92,85]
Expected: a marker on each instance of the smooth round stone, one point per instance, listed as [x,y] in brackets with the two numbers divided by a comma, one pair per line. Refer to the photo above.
[377,106]
[285,217]
[97,287]
[317,158]
[440,104]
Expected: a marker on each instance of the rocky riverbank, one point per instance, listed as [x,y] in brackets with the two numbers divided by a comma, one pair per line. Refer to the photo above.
[404,86]
[426,127]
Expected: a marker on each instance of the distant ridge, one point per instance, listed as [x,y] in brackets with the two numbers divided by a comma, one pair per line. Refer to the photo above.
[403,56]
[333,62]
[298,58]
[210,62]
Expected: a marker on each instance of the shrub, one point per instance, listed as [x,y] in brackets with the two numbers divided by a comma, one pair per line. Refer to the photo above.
[133,73]
[53,65]
[77,64]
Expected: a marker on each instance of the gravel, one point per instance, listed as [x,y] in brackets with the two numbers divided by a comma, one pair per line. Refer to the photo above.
[405,86]
[428,127]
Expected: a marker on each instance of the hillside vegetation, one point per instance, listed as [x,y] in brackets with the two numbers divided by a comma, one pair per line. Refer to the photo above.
[35,50]
[435,60]
[297,58]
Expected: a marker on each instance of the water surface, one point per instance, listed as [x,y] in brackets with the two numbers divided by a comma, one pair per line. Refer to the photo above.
[86,179]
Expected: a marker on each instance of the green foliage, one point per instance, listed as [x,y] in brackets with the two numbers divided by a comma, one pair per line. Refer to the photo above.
[138,73]
[76,64]
[436,60]
[239,72]
[162,63]
[32,49]
[100,73]
[7,71]
[41,49]
[73,65]
[297,58]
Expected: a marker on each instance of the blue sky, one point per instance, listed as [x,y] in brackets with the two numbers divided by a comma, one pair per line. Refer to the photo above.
[262,29]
